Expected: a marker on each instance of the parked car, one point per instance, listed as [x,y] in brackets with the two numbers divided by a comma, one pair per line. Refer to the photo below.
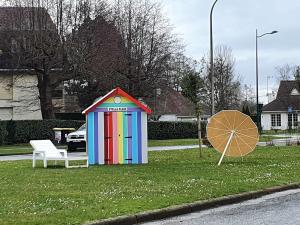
[77,139]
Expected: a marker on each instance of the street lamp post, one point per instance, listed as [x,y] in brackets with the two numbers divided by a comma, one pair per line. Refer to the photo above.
[212,61]
[257,103]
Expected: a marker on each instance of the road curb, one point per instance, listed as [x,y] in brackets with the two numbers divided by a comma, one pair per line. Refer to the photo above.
[191,207]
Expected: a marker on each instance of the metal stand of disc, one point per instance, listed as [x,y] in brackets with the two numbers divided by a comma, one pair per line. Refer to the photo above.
[226,147]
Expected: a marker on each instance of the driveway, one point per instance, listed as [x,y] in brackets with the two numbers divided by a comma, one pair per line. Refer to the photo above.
[284,140]
[275,209]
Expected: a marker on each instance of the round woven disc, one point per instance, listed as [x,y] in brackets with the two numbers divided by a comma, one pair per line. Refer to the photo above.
[245,135]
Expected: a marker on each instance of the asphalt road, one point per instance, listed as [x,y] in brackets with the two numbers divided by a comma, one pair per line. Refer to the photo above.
[281,208]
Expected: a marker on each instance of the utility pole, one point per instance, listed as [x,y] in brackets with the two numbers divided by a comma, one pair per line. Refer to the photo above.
[256,60]
[212,61]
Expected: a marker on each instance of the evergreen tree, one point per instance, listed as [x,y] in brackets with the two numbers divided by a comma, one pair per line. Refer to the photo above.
[297,73]
[246,110]
[191,84]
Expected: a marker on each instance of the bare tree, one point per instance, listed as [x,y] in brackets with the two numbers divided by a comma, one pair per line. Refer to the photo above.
[99,48]
[285,72]
[149,44]
[179,67]
[227,86]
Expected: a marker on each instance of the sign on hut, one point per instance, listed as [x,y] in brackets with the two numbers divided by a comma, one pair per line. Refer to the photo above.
[117,130]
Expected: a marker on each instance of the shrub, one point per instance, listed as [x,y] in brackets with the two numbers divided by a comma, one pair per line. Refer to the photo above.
[174,130]
[10,132]
[3,132]
[69,116]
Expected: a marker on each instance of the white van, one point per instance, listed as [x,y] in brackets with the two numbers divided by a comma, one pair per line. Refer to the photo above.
[77,139]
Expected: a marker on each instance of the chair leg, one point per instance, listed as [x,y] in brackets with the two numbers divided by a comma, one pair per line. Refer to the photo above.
[55,162]
[66,163]
[33,162]
[45,163]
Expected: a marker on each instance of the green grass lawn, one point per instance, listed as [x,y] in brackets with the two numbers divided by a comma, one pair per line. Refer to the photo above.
[194,141]
[270,132]
[73,196]
[15,149]
[172,142]
[269,138]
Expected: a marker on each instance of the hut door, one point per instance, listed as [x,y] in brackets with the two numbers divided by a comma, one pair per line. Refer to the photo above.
[127,137]
[121,137]
[108,138]
[124,137]
[131,137]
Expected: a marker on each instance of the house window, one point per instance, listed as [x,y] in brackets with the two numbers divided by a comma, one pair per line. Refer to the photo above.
[295,120]
[292,120]
[273,120]
[279,120]
[276,120]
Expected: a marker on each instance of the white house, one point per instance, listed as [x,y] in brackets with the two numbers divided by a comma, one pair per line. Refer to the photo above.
[284,112]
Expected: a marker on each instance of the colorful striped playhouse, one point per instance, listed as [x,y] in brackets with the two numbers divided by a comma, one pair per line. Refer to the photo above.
[117,130]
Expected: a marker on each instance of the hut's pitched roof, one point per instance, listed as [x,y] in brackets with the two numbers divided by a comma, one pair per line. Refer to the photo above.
[117,91]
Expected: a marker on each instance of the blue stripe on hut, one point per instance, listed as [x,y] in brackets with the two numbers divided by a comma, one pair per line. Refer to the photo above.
[96,138]
[90,138]
[134,138]
[139,128]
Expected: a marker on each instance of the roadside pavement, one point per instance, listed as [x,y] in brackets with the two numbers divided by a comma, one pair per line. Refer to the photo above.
[274,209]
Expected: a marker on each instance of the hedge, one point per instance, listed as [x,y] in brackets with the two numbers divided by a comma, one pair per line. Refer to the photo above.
[14,132]
[69,116]
[22,131]
[174,130]
[3,132]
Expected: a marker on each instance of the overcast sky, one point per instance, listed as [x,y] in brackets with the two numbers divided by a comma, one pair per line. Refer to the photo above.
[234,25]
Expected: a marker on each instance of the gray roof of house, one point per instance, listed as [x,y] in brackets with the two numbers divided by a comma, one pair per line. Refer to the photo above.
[284,99]
[17,24]
[171,102]
[25,18]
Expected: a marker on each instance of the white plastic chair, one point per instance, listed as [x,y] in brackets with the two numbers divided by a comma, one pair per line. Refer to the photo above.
[46,150]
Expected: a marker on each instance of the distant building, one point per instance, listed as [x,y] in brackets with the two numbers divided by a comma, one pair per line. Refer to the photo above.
[18,85]
[283,112]
[171,105]
[19,95]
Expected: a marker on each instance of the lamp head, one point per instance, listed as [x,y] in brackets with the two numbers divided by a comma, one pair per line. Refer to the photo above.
[274,32]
